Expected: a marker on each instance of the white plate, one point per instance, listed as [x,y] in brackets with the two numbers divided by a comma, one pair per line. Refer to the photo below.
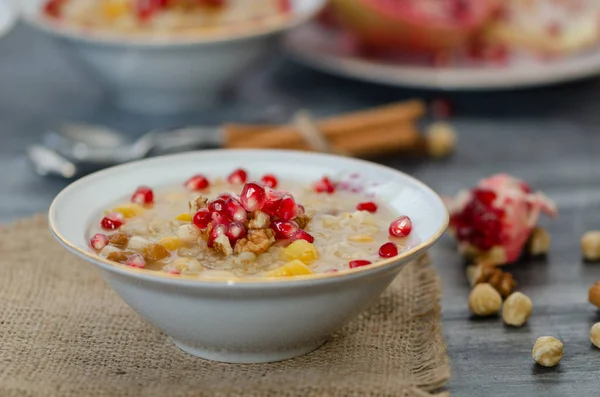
[325,50]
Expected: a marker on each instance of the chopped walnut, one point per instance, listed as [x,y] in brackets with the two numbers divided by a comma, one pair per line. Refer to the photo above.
[197,203]
[503,282]
[259,220]
[119,240]
[222,245]
[302,220]
[257,241]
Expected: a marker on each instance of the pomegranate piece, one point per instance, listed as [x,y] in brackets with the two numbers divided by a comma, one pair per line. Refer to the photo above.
[197,182]
[235,211]
[143,196]
[302,235]
[202,218]
[388,250]
[272,202]
[324,185]
[367,206]
[284,230]
[238,177]
[53,8]
[99,241]
[217,205]
[288,209]
[219,218]
[358,263]
[235,231]
[136,260]
[269,180]
[112,221]
[147,8]
[216,231]
[253,197]
[498,214]
[401,227]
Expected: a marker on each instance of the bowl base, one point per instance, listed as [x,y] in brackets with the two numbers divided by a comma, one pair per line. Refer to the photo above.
[249,357]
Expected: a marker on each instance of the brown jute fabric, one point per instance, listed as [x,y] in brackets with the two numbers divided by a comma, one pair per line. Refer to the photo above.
[64,332]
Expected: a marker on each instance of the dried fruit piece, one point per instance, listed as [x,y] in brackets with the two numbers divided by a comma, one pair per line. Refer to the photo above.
[302,250]
[112,221]
[154,252]
[590,246]
[324,185]
[367,206]
[269,180]
[517,309]
[284,229]
[119,256]
[136,260]
[484,300]
[172,243]
[143,196]
[547,351]
[99,241]
[292,268]
[197,182]
[238,177]
[388,250]
[185,217]
[358,263]
[130,210]
[595,335]
[119,240]
[202,218]
[361,238]
[594,294]
[253,197]
[401,227]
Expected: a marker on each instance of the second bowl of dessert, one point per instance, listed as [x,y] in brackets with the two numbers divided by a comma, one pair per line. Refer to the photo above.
[249,255]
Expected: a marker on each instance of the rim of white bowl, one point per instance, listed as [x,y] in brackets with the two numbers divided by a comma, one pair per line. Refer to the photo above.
[161,277]
[99,37]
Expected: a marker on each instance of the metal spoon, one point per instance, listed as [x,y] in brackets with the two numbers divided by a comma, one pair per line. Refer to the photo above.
[48,162]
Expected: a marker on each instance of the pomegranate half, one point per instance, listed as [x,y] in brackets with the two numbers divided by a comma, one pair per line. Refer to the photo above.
[414,25]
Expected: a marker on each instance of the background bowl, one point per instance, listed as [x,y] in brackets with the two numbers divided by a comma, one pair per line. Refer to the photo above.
[245,320]
[166,74]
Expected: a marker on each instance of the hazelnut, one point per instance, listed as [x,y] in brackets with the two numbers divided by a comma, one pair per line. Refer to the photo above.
[590,245]
[547,351]
[517,309]
[539,242]
[594,294]
[595,335]
[440,140]
[484,272]
[484,300]
[471,273]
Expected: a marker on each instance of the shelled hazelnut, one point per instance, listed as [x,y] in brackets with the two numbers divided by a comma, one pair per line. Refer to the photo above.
[484,272]
[595,335]
[440,140]
[484,300]
[594,294]
[517,309]
[590,245]
[539,242]
[547,351]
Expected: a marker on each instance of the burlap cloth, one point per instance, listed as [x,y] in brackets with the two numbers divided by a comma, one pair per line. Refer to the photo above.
[65,333]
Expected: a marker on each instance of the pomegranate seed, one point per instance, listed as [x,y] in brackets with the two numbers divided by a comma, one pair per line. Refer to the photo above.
[99,241]
[238,177]
[235,211]
[324,185]
[173,271]
[358,263]
[269,180]
[143,196]
[112,221]
[219,218]
[401,227]
[367,206]
[217,231]
[253,197]
[235,231]
[217,205]
[136,260]
[197,182]
[301,210]
[288,209]
[302,235]
[54,8]
[487,197]
[224,196]
[202,218]
[388,250]
[284,229]
[272,202]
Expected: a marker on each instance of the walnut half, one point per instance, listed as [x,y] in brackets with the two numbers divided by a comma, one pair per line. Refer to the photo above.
[197,203]
[256,241]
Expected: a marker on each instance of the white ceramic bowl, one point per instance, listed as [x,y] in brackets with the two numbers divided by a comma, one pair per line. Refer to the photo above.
[245,320]
[167,74]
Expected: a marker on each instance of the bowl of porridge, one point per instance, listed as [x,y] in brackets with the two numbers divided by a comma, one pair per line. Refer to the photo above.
[248,255]
[165,56]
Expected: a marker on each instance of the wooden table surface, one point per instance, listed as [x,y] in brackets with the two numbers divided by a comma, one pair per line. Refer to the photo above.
[550,137]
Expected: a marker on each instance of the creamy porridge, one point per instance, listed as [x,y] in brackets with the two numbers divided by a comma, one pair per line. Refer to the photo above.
[239,228]
[167,16]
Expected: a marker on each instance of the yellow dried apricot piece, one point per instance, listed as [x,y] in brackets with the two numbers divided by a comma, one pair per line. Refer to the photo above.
[185,217]
[172,243]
